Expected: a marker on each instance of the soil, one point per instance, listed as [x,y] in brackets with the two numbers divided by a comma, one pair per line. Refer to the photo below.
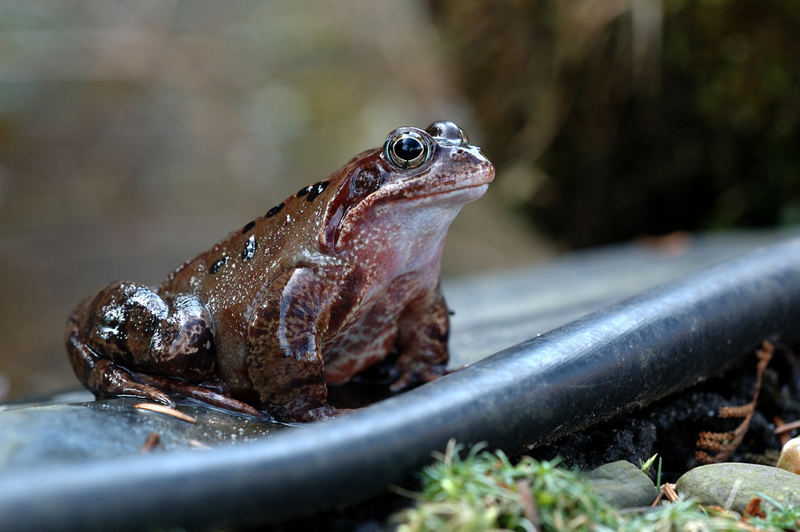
[671,426]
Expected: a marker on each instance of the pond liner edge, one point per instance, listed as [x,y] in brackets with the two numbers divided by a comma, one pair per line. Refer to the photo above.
[622,357]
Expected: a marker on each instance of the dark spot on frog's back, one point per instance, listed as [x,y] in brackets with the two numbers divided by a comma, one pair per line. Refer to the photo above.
[249,248]
[316,190]
[275,210]
[249,226]
[303,191]
[218,264]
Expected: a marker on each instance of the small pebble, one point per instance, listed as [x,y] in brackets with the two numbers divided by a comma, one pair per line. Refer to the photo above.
[622,484]
[790,456]
[733,485]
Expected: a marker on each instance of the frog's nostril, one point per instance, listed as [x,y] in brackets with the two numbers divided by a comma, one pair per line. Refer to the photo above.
[448,132]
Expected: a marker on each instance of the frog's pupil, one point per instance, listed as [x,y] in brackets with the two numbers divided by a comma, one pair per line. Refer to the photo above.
[408,148]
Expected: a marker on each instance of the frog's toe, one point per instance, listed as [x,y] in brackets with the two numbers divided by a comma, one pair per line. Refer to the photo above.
[210,393]
[148,392]
[431,373]
[318,414]
[107,379]
[404,381]
[219,400]
[415,375]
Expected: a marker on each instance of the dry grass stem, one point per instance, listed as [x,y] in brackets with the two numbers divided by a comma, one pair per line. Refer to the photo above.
[670,493]
[528,504]
[724,444]
[786,427]
[161,409]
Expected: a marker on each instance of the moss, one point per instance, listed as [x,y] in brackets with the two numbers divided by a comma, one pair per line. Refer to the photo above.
[485,490]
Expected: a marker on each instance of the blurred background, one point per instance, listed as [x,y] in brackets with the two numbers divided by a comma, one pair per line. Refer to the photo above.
[135,134]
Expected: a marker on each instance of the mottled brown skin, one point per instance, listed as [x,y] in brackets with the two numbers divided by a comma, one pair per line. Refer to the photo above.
[330,281]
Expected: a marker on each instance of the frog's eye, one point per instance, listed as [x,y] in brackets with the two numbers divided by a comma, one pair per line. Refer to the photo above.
[407,149]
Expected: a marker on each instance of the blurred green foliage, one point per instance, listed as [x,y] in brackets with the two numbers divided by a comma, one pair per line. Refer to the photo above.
[610,119]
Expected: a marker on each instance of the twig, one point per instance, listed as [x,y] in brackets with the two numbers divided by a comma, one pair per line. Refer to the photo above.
[725,443]
[786,427]
[150,443]
[670,493]
[732,495]
[658,497]
[528,504]
[161,409]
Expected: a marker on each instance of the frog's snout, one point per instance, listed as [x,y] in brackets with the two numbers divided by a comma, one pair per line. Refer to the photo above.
[447,132]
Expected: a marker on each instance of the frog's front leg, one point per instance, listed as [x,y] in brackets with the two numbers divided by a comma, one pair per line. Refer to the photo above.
[128,340]
[422,341]
[284,359]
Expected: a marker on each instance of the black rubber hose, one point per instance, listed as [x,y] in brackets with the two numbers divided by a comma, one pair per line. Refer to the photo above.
[622,357]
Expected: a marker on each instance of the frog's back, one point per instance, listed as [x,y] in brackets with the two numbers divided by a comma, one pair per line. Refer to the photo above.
[236,270]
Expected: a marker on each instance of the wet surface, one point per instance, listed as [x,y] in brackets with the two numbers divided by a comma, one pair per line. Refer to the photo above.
[73,428]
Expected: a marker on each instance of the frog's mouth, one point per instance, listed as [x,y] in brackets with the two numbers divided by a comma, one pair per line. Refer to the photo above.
[461,186]
[463,194]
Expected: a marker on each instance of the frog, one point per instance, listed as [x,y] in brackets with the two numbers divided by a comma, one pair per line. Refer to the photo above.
[339,276]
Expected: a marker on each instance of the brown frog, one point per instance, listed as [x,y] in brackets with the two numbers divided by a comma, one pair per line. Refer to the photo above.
[328,282]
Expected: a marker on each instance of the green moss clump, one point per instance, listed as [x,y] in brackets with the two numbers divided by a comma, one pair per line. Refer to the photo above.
[485,491]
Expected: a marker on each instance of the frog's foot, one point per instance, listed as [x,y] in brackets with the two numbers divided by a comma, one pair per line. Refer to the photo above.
[103,377]
[213,394]
[107,380]
[416,374]
[114,380]
[320,413]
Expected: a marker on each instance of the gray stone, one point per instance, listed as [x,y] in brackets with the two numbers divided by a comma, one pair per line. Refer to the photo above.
[35,435]
[733,485]
[622,484]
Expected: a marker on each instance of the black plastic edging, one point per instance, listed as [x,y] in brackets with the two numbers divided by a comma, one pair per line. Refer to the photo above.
[624,356]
